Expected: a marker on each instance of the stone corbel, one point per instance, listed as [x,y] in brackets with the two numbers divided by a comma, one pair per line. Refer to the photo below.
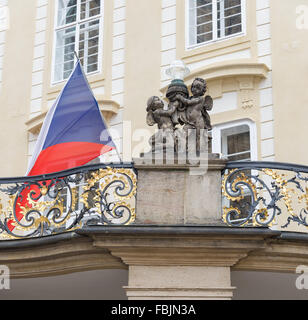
[108,107]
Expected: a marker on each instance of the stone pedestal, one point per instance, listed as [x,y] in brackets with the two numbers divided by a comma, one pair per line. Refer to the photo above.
[179,194]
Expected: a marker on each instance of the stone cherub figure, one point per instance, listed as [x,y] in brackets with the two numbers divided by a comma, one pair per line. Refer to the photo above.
[156,114]
[184,124]
[195,114]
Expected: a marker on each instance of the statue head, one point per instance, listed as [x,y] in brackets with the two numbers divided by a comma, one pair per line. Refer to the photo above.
[198,87]
[154,103]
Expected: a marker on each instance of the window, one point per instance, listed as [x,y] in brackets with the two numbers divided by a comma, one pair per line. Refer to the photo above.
[78,29]
[211,20]
[236,141]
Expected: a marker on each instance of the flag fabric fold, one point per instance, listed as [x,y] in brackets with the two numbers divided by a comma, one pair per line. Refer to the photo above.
[74,131]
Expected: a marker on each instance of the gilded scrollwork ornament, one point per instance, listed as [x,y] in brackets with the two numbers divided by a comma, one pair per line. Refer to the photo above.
[40,207]
[263,195]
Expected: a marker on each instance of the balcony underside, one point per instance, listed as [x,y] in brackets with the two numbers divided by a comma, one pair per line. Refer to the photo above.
[110,247]
[123,215]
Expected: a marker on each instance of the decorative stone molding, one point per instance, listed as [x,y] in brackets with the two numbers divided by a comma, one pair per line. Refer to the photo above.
[231,69]
[281,256]
[179,256]
[247,94]
[61,257]
[252,249]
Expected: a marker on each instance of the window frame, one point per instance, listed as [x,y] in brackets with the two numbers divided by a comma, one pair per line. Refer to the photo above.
[77,23]
[215,39]
[217,136]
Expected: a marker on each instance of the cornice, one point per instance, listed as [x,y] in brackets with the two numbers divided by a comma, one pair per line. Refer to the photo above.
[235,68]
[252,249]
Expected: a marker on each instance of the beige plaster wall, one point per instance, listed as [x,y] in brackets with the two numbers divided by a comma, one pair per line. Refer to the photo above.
[290,94]
[142,77]
[16,87]
[267,66]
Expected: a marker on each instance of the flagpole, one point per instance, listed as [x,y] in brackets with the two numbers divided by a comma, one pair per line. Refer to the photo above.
[76,55]
[119,156]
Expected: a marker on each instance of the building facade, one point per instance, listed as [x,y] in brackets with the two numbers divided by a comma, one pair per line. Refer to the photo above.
[252,54]
[127,47]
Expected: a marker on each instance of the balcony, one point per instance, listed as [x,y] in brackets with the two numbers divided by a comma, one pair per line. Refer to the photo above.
[162,222]
[66,201]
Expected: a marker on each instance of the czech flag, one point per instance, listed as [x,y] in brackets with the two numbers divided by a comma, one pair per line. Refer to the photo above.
[73,134]
[74,131]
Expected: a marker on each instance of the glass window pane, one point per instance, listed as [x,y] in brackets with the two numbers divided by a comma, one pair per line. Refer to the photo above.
[92,67]
[64,56]
[229,17]
[67,12]
[232,3]
[204,38]
[90,8]
[89,45]
[238,143]
[233,30]
[200,24]
[233,20]
[200,3]
[235,143]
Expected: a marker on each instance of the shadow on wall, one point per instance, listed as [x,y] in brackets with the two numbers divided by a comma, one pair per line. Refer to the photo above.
[91,285]
[266,286]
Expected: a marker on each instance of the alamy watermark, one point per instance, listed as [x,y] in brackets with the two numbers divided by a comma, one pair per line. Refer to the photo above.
[180,147]
[301,282]
[4,278]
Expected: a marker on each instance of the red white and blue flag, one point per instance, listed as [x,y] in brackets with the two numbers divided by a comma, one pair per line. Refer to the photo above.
[74,131]
[73,134]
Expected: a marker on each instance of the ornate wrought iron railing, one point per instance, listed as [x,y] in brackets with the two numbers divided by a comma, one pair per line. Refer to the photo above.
[66,201]
[265,194]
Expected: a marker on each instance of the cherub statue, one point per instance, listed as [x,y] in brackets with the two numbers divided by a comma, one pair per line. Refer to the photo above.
[195,115]
[164,138]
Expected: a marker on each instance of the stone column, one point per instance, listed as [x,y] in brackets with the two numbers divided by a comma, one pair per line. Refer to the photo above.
[199,271]
[179,283]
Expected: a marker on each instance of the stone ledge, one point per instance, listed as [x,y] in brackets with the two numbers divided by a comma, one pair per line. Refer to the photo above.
[252,249]
[213,162]
[177,293]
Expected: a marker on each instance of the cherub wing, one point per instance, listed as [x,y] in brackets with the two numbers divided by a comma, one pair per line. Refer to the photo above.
[150,119]
[207,106]
[208,103]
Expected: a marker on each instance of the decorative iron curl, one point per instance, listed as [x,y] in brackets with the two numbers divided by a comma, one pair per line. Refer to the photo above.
[65,201]
[111,191]
[258,192]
